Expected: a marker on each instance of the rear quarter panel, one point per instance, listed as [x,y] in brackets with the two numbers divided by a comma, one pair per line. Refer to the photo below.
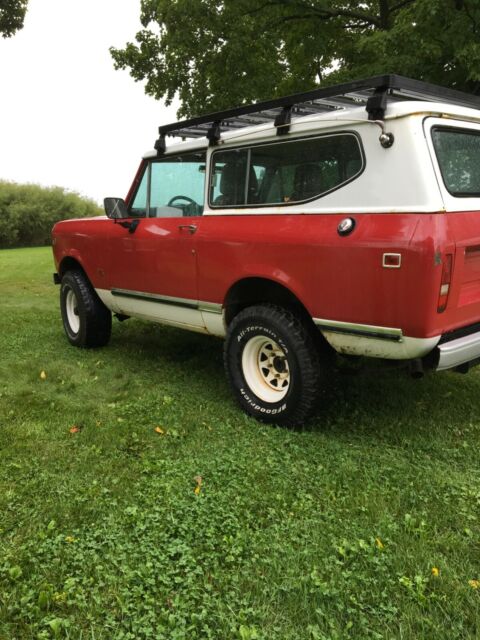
[336,278]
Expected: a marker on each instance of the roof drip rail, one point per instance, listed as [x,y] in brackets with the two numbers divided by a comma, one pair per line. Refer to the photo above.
[283,119]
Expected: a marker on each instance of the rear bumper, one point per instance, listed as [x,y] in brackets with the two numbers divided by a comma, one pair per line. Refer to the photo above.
[459,351]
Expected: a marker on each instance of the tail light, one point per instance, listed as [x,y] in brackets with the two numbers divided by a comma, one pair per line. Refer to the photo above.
[445,283]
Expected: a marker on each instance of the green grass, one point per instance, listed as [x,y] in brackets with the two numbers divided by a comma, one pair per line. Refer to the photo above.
[326,533]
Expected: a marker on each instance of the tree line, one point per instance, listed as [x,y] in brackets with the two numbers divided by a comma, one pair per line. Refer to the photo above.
[28,212]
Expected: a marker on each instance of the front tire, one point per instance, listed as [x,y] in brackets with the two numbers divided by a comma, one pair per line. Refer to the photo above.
[86,320]
[273,364]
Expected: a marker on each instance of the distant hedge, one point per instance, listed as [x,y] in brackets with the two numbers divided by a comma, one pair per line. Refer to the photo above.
[28,212]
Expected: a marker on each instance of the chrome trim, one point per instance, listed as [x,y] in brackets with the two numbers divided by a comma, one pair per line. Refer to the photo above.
[191,227]
[210,307]
[364,330]
[459,351]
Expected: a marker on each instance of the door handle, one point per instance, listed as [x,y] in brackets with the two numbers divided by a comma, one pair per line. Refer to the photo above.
[190,227]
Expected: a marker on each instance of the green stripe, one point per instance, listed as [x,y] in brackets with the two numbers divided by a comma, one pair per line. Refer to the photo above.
[361,330]
[206,307]
[210,307]
[158,299]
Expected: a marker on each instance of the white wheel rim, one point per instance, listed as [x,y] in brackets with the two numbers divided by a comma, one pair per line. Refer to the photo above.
[71,307]
[265,368]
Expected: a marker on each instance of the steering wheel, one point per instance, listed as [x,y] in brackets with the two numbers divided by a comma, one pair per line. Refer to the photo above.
[190,208]
[172,200]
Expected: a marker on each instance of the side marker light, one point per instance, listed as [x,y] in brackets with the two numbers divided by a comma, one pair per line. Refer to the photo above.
[392,260]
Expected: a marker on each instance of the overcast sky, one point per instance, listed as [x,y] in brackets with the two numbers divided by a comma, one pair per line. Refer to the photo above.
[67,117]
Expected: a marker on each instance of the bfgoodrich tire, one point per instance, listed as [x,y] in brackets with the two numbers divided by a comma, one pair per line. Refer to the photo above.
[86,320]
[273,364]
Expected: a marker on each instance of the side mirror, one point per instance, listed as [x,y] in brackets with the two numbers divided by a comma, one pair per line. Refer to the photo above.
[115,208]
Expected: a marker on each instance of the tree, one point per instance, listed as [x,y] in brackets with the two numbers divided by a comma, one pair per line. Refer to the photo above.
[217,54]
[12,15]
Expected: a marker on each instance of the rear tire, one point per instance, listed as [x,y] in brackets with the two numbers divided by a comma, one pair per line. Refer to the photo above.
[86,320]
[273,364]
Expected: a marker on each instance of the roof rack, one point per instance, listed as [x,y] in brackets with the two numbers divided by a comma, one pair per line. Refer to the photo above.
[373,92]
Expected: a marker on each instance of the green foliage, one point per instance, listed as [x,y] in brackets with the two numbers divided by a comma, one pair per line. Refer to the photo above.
[216,55]
[12,15]
[433,40]
[28,212]
[169,515]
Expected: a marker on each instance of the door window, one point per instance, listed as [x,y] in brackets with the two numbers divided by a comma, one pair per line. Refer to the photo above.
[171,187]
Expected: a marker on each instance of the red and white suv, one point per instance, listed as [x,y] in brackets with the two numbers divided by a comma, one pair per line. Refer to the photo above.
[341,220]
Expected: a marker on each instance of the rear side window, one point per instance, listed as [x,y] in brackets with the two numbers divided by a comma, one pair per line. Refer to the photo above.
[284,173]
[458,155]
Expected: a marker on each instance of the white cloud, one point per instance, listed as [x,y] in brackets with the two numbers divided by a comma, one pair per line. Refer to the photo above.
[67,117]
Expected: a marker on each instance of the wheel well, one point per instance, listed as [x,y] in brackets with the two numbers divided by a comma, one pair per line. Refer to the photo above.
[69,264]
[251,291]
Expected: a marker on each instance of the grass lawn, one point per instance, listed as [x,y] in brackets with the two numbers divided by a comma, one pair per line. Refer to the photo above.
[365,524]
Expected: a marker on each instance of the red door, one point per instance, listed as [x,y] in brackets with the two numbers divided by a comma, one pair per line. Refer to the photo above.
[153,268]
